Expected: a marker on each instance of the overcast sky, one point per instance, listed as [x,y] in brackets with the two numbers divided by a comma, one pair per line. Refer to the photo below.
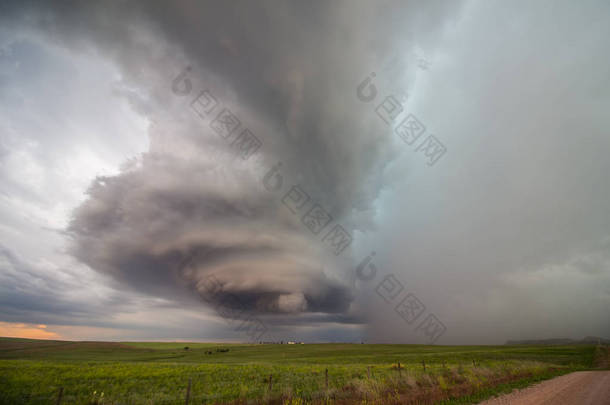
[389,171]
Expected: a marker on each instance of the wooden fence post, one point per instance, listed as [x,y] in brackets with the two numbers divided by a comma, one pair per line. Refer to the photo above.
[399,372]
[473,363]
[270,382]
[423,363]
[188,392]
[326,375]
[368,371]
[60,394]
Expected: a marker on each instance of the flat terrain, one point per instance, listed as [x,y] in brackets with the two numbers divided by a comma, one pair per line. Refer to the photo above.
[579,388]
[33,371]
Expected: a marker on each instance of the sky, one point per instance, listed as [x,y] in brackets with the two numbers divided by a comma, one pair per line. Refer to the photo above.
[353,171]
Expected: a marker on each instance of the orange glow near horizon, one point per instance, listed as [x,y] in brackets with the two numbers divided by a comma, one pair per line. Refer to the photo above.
[29,331]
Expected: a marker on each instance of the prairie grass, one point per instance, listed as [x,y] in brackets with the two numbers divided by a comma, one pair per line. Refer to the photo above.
[31,372]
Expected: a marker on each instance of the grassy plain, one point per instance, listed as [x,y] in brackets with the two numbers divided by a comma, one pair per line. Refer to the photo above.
[32,372]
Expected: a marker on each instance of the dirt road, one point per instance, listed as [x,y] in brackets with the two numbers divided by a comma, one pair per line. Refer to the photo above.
[580,388]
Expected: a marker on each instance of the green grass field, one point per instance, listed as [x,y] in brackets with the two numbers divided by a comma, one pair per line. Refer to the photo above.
[32,372]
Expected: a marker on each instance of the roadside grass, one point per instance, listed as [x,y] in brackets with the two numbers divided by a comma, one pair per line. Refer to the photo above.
[601,357]
[31,372]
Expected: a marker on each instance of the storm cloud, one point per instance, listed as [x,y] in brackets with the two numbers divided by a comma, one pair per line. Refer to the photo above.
[506,237]
[189,208]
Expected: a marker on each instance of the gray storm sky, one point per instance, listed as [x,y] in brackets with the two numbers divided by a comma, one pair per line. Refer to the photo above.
[119,201]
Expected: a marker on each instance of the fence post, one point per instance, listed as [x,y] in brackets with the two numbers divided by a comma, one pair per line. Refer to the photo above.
[270,382]
[59,395]
[473,363]
[399,372]
[188,392]
[326,375]
[368,371]
[423,363]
